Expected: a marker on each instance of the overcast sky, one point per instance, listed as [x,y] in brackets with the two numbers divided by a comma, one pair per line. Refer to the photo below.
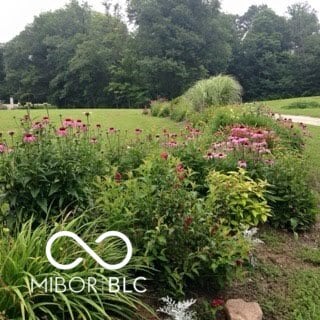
[15,14]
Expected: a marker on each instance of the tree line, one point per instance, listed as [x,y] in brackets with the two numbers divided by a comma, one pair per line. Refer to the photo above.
[75,56]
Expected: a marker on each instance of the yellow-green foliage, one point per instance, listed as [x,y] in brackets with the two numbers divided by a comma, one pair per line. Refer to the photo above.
[236,199]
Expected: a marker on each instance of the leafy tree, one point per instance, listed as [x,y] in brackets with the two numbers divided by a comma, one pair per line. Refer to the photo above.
[304,36]
[178,42]
[260,60]
[3,92]
[65,56]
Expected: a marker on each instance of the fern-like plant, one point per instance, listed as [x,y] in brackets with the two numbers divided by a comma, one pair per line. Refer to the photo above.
[178,310]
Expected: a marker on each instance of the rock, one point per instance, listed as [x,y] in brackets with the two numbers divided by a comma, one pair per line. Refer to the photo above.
[238,309]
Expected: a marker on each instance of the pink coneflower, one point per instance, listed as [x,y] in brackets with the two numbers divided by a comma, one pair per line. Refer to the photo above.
[98,125]
[68,122]
[172,144]
[243,141]
[196,132]
[264,150]
[180,171]
[164,155]
[37,125]
[269,162]
[3,148]
[217,145]
[259,145]
[138,131]
[219,155]
[84,128]
[180,168]
[93,140]
[62,132]
[117,177]
[45,120]
[87,114]
[209,156]
[240,131]
[112,130]
[29,138]
[259,135]
[242,164]
[78,123]
[11,133]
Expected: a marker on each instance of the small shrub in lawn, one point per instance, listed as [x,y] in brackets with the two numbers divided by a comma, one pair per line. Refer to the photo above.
[22,259]
[179,235]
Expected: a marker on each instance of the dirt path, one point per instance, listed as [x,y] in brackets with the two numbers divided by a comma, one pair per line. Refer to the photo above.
[304,119]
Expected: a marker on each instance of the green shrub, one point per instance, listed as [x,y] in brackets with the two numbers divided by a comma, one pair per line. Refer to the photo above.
[178,235]
[157,107]
[292,200]
[180,109]
[302,105]
[22,259]
[215,91]
[49,174]
[164,110]
[237,200]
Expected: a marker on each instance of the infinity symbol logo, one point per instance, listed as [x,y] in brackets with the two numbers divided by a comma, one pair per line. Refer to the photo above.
[87,249]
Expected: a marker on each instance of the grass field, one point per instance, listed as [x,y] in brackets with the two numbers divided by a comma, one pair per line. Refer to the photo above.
[122,119]
[312,154]
[306,108]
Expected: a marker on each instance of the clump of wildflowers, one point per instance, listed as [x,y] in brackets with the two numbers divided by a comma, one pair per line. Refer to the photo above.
[241,141]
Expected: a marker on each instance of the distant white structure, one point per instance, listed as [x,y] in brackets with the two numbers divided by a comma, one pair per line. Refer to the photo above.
[11,105]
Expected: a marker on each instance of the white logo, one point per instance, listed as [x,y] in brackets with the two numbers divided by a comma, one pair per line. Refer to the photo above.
[87,249]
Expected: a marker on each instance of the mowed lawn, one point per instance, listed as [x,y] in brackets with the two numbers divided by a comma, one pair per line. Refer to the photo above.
[283,106]
[122,119]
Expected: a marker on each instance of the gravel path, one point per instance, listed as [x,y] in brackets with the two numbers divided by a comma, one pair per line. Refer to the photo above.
[304,119]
